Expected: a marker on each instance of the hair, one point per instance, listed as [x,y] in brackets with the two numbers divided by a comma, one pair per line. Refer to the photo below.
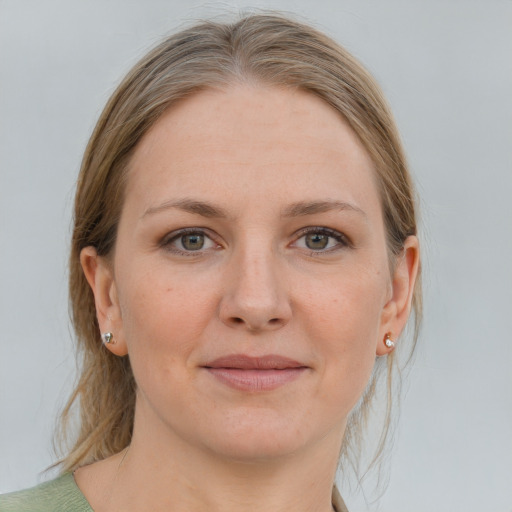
[267,49]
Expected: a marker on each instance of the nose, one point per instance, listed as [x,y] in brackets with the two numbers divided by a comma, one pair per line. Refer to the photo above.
[256,296]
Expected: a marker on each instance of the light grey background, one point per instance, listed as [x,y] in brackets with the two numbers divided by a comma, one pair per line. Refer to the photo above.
[446,67]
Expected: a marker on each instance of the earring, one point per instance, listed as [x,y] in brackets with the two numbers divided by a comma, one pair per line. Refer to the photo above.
[388,341]
[107,337]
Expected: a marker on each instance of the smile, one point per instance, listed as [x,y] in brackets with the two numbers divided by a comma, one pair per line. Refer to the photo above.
[247,373]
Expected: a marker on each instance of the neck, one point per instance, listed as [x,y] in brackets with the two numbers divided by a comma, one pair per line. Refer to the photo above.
[160,471]
[185,481]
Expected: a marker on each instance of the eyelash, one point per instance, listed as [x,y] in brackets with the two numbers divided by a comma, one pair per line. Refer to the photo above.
[341,239]
[176,235]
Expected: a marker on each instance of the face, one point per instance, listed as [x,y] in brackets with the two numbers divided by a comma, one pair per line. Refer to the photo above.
[250,283]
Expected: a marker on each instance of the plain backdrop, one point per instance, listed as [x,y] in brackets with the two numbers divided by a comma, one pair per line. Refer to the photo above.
[446,68]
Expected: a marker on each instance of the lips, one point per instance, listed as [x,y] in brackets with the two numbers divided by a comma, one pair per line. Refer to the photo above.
[248,373]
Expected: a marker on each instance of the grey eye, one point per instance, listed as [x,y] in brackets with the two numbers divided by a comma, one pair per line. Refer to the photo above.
[192,242]
[188,242]
[321,240]
[316,241]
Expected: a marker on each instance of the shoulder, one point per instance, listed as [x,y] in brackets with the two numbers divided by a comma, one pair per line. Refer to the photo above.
[59,495]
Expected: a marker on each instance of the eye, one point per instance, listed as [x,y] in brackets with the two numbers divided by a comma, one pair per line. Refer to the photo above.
[321,240]
[316,241]
[188,241]
[193,242]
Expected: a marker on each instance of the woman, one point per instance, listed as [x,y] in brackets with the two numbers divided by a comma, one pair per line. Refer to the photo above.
[244,260]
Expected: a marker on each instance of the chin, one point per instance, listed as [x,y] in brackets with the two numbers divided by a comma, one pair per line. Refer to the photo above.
[256,449]
[262,440]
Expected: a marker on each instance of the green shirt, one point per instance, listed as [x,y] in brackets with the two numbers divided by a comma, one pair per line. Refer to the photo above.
[59,495]
[63,495]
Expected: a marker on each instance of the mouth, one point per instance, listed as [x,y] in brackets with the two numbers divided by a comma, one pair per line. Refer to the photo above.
[254,374]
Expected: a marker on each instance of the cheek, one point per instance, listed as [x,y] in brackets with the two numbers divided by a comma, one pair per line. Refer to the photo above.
[347,308]
[345,325]
[163,318]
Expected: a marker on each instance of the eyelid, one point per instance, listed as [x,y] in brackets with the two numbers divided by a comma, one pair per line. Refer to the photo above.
[167,240]
[341,238]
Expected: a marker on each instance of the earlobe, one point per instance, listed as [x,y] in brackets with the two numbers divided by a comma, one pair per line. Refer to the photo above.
[397,309]
[99,275]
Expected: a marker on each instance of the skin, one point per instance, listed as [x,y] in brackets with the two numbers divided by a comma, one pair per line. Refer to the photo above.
[260,155]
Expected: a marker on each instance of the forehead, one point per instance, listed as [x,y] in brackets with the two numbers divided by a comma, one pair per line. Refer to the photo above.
[256,140]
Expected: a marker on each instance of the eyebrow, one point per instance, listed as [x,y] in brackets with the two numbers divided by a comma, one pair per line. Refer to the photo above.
[208,210]
[190,206]
[303,208]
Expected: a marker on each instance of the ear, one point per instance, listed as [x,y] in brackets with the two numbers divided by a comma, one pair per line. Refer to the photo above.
[396,311]
[99,275]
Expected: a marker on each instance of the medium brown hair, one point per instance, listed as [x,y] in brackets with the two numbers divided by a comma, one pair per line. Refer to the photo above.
[262,48]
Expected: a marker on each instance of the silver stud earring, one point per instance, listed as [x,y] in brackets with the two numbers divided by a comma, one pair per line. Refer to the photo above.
[388,341]
[107,337]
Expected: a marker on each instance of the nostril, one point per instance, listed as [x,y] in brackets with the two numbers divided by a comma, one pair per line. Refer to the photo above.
[236,320]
